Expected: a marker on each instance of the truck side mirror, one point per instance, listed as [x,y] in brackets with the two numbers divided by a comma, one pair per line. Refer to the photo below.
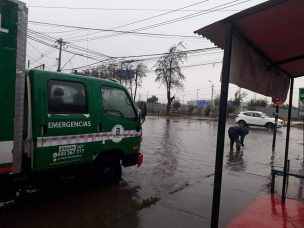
[142,110]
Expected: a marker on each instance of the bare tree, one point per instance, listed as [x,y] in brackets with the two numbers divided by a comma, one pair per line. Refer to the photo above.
[105,70]
[140,72]
[168,71]
[113,70]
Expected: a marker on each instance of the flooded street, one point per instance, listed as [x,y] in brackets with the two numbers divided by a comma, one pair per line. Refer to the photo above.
[173,187]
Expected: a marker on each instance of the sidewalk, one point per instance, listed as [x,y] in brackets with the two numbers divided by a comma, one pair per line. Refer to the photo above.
[268,211]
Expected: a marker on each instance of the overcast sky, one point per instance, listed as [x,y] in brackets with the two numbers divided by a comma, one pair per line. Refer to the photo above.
[116,15]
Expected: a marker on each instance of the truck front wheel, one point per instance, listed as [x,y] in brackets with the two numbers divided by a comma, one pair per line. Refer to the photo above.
[107,171]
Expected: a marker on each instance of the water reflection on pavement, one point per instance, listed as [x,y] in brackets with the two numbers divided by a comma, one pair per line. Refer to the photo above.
[173,187]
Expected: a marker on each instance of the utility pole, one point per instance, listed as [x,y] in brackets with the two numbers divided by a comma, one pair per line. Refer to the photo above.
[147,95]
[197,94]
[275,128]
[211,102]
[239,98]
[61,43]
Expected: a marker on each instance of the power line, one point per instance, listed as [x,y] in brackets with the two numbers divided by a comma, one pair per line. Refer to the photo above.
[88,65]
[117,9]
[42,55]
[159,15]
[111,30]
[210,10]
[65,50]
[187,51]
[75,47]
[135,31]
[153,35]
[202,64]
[56,32]
[30,57]
[131,56]
[154,55]
[67,62]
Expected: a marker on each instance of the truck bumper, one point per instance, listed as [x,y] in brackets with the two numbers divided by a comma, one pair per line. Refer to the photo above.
[140,159]
[132,159]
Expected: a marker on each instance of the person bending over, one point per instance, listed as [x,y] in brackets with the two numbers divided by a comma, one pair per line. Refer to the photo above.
[237,135]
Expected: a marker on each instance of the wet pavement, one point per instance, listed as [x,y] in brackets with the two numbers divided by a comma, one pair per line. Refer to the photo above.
[173,187]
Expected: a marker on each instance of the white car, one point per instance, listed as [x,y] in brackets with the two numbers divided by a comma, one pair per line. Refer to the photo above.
[254,118]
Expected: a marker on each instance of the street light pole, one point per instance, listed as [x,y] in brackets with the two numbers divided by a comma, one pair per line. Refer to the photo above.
[211,102]
[147,95]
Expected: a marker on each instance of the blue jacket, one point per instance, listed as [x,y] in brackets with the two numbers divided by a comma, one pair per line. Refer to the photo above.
[238,132]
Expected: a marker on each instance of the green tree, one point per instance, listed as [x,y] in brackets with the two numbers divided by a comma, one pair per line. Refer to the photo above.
[152,99]
[176,104]
[230,108]
[191,108]
[216,101]
[168,71]
[238,98]
[258,102]
[207,110]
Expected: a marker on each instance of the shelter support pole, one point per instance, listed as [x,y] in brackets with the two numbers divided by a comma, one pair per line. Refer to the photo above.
[221,128]
[275,128]
[287,141]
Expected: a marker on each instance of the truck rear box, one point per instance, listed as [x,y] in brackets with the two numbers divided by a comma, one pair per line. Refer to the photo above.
[13,27]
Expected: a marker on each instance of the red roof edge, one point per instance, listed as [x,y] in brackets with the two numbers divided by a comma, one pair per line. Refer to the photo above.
[216,32]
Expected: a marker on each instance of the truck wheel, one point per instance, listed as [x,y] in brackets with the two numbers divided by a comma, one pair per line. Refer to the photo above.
[107,171]
[242,123]
[269,126]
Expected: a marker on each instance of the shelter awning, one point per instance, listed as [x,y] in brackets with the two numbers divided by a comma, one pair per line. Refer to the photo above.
[275,32]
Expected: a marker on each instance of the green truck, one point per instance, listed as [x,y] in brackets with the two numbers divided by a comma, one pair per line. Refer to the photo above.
[52,121]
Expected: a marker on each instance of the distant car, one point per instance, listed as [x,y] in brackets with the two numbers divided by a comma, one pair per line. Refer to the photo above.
[254,118]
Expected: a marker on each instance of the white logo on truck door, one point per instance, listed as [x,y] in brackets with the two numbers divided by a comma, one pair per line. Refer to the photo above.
[117,133]
[2,29]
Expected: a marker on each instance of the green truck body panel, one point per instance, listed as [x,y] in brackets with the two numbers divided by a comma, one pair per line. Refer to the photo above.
[68,139]
[57,120]
[8,50]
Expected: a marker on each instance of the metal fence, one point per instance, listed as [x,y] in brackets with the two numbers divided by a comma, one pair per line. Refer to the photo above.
[157,109]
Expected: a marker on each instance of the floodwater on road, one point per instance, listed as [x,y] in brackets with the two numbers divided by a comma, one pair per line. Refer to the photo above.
[173,187]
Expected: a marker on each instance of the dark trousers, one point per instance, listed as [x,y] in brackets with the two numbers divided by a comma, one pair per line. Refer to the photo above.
[234,138]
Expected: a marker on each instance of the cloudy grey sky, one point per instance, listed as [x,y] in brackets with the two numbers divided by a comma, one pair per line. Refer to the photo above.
[168,17]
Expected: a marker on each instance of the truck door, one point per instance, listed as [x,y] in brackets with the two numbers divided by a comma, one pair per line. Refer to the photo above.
[63,121]
[119,118]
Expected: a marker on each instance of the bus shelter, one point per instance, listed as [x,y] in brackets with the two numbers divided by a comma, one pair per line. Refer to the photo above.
[263,52]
